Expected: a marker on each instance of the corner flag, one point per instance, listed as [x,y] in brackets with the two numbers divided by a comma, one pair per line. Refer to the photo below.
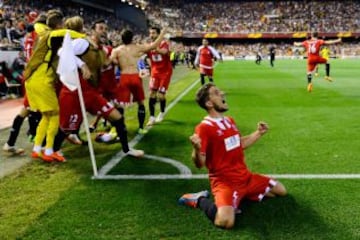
[69,76]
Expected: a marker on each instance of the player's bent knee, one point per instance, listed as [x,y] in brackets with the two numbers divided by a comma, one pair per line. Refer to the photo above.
[161,95]
[152,94]
[283,192]
[24,112]
[114,115]
[224,223]
[225,217]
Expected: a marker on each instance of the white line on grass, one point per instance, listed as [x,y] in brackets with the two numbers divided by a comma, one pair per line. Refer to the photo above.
[120,155]
[205,176]
[183,169]
[185,172]
[316,176]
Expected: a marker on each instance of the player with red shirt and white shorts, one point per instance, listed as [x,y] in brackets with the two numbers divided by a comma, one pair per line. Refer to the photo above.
[161,72]
[108,85]
[312,47]
[218,145]
[205,56]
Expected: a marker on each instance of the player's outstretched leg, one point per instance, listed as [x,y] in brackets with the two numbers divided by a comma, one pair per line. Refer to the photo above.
[327,69]
[162,100]
[192,199]
[9,146]
[152,102]
[117,121]
[201,200]
[141,118]
[309,79]
[317,72]
[202,79]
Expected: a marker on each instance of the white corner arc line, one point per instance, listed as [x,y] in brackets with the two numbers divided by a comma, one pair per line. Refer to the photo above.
[146,177]
[120,155]
[183,169]
[110,164]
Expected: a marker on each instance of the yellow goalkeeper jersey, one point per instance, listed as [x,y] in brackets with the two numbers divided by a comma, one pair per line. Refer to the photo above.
[325,53]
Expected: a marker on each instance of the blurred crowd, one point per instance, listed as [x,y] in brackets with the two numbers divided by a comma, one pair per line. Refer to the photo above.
[16,20]
[194,16]
[257,16]
[16,15]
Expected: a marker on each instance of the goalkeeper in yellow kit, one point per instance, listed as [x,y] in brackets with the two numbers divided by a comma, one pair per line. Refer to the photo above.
[40,79]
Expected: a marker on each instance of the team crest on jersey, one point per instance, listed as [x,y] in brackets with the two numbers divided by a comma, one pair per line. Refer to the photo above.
[219,132]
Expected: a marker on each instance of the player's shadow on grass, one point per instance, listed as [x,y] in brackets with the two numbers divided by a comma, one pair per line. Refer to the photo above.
[190,101]
[178,131]
[279,217]
[171,122]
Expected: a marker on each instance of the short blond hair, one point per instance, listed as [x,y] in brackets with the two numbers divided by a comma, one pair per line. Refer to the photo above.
[75,23]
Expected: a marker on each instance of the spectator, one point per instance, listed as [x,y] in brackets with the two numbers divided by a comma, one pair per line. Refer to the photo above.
[18,67]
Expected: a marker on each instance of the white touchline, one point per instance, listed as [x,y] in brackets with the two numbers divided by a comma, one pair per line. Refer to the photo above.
[316,176]
[205,176]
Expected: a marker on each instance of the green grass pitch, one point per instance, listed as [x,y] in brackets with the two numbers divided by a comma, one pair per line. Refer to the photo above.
[310,133]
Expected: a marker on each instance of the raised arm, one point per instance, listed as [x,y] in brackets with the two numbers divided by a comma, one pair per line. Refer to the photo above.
[147,47]
[113,56]
[197,58]
[162,50]
[328,42]
[249,140]
[198,157]
[215,53]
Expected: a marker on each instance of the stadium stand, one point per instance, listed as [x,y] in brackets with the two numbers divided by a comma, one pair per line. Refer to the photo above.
[236,28]
[257,16]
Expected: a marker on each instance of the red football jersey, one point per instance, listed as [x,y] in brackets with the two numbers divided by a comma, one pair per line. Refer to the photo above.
[221,143]
[29,45]
[108,50]
[205,56]
[160,62]
[313,47]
